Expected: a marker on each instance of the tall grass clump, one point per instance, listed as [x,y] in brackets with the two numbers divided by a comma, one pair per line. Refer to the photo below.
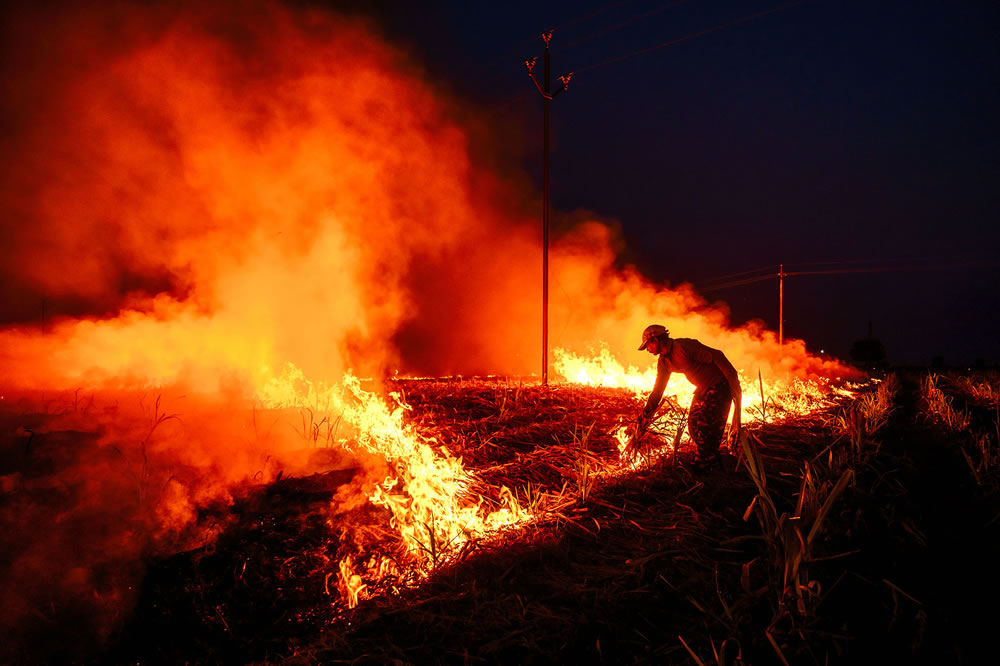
[791,538]
[583,466]
[982,389]
[984,463]
[761,411]
[877,407]
[938,406]
[858,422]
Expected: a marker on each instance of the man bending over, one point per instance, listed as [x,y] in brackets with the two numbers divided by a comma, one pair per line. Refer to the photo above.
[717,387]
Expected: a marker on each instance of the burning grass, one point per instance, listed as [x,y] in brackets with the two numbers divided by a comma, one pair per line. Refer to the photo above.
[314,545]
[654,547]
[623,512]
[644,561]
[647,562]
[527,454]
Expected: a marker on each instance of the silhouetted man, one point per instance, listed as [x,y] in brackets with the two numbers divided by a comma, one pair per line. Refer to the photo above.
[717,387]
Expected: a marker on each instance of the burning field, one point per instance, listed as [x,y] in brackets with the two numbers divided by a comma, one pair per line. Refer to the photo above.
[267,389]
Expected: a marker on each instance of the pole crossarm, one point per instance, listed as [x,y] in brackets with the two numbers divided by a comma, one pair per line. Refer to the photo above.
[544,89]
[564,79]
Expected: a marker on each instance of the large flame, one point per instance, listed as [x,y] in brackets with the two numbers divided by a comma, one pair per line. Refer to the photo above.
[428,495]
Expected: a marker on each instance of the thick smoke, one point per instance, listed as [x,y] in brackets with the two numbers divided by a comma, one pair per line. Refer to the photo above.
[200,196]
[233,193]
[597,304]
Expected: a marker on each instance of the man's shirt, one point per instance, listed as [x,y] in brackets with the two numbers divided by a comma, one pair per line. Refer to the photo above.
[693,360]
[690,358]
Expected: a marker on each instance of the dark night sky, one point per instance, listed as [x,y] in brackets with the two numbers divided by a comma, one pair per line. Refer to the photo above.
[827,131]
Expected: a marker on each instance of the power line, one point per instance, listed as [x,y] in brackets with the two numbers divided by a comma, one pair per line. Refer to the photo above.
[734,275]
[890,269]
[587,17]
[844,271]
[850,261]
[781,275]
[737,283]
[690,36]
[487,71]
[621,24]
[584,17]
[580,18]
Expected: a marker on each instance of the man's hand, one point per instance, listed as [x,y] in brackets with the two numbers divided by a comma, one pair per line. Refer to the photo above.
[634,445]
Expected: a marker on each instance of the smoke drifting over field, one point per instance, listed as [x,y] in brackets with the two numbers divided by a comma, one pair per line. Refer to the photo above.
[219,192]
[234,190]
[266,181]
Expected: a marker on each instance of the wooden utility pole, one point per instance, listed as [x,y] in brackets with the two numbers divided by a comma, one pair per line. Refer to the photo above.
[547,96]
[781,305]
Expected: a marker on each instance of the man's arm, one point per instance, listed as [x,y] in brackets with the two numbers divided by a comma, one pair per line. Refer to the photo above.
[662,376]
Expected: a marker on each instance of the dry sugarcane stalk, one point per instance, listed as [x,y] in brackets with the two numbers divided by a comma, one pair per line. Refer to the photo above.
[634,445]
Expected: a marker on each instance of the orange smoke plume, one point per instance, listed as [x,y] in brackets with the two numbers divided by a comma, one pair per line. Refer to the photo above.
[234,192]
[207,197]
[600,305]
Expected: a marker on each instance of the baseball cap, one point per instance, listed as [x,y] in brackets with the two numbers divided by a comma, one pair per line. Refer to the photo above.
[652,331]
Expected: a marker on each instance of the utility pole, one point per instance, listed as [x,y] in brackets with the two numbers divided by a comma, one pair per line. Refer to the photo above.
[547,96]
[781,305]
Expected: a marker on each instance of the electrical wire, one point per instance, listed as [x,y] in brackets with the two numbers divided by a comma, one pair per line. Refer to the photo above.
[736,283]
[620,25]
[562,26]
[850,261]
[890,269]
[587,17]
[690,36]
[741,273]
[487,71]
[844,271]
